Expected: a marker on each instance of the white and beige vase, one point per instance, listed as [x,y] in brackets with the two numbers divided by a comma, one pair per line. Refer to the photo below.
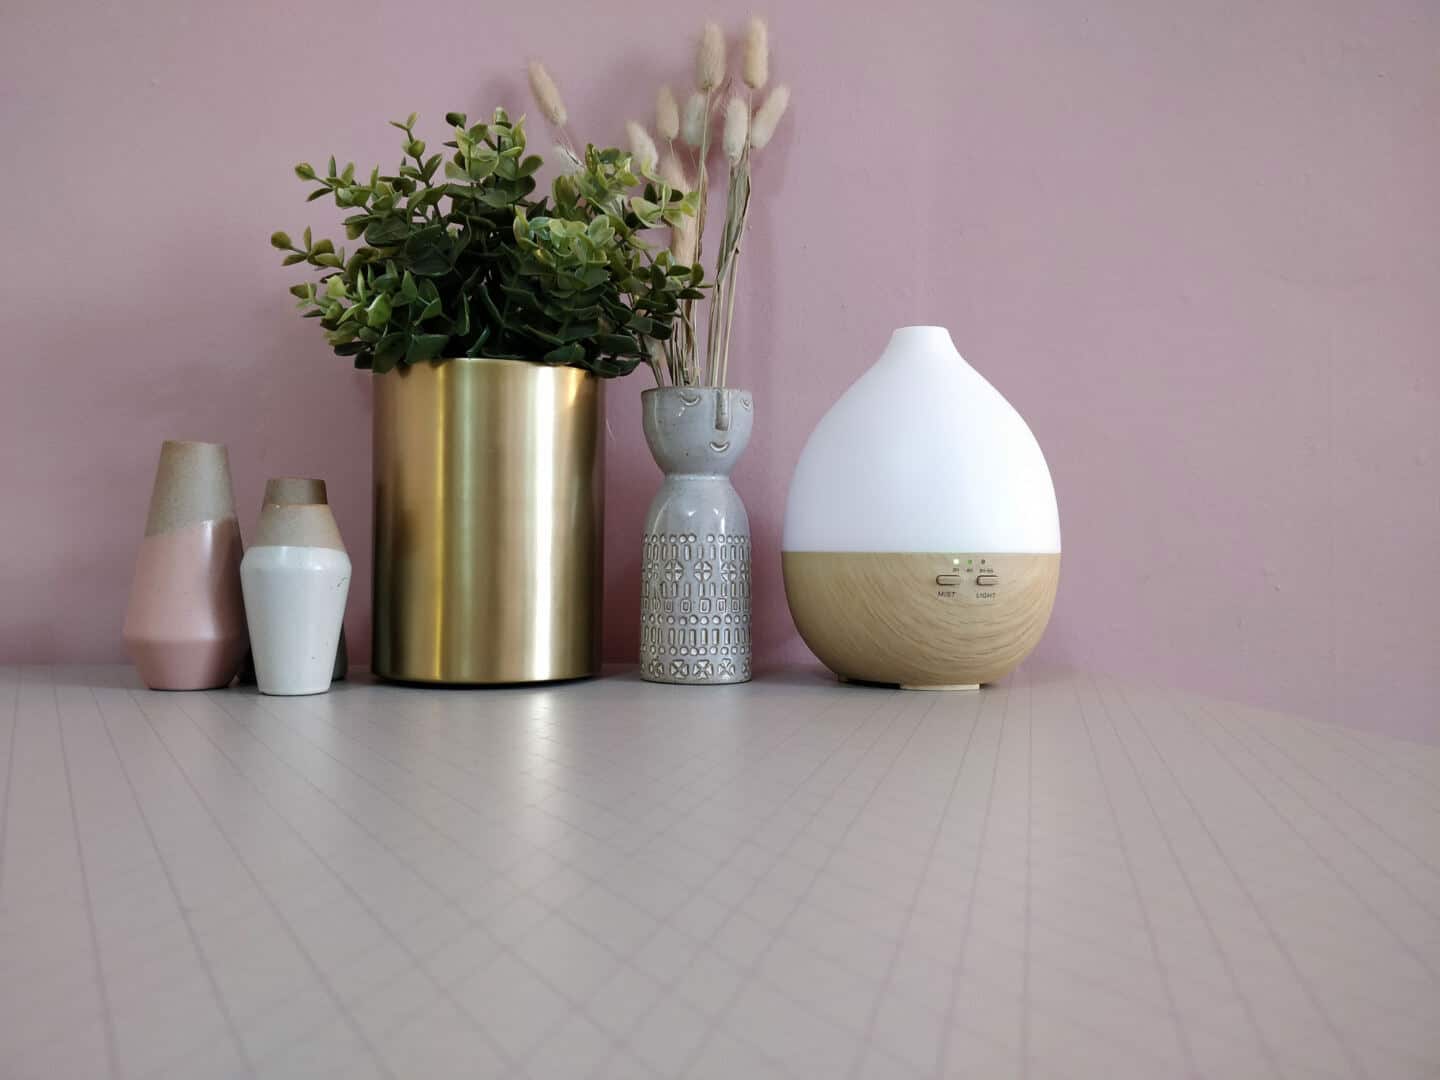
[695,573]
[296,579]
[286,491]
[185,621]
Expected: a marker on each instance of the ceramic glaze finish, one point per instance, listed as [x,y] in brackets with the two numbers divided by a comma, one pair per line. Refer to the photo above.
[185,626]
[295,600]
[695,572]
[299,490]
[296,579]
[185,621]
[922,454]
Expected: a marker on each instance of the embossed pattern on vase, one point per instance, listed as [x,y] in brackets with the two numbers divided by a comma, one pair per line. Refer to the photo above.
[695,573]
[695,607]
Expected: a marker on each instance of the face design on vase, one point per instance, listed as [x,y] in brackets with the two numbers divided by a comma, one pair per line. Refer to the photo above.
[697,429]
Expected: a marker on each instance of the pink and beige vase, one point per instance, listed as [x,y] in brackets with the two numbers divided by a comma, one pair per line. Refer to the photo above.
[185,623]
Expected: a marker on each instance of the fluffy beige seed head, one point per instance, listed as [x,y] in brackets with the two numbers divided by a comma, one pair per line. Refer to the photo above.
[569,163]
[710,58]
[768,115]
[667,113]
[693,130]
[642,146]
[737,128]
[756,69]
[673,173]
[547,94]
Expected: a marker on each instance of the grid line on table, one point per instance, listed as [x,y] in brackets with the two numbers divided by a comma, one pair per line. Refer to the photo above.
[874,1012]
[315,969]
[443,990]
[1352,1060]
[180,907]
[770,881]
[1260,730]
[1267,1050]
[502,947]
[1182,1036]
[837,747]
[753,968]
[12,725]
[1369,757]
[1311,846]
[112,1051]
[507,948]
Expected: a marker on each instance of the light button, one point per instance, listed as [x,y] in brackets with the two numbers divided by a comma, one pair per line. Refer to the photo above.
[949,581]
[986,579]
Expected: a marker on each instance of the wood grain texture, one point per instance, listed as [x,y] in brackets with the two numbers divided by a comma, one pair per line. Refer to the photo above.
[883,617]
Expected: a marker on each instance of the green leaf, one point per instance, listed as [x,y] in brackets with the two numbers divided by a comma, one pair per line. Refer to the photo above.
[281,240]
[425,347]
[565,354]
[305,171]
[378,313]
[385,232]
[408,292]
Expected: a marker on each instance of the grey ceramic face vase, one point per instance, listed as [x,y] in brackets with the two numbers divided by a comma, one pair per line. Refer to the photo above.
[695,574]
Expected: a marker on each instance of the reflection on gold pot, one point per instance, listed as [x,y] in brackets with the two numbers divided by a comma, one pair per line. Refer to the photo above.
[489,512]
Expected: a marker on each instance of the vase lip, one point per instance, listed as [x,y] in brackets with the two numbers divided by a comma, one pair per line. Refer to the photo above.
[693,389]
[919,334]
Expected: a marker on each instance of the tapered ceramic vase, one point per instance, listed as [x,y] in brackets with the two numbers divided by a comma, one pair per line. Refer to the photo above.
[286,491]
[695,572]
[296,577]
[922,538]
[185,622]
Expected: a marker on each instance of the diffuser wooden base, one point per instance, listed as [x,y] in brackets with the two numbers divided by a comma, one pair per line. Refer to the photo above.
[921,621]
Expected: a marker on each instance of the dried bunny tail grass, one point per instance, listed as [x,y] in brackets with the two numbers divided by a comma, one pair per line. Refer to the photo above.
[569,161]
[768,116]
[667,113]
[673,173]
[693,129]
[684,241]
[756,66]
[642,146]
[547,94]
[710,58]
[737,128]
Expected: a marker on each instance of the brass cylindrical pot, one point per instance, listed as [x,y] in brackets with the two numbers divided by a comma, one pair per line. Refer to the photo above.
[489,512]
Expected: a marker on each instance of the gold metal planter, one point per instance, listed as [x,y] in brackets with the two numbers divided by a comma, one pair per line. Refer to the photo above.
[489,513]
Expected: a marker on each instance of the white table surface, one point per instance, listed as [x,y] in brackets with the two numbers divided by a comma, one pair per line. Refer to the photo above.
[1064,876]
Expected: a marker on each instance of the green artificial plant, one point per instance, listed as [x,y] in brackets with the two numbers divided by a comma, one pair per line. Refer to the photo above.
[458,258]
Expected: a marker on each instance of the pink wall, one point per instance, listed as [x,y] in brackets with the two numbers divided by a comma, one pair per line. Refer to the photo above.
[1194,244]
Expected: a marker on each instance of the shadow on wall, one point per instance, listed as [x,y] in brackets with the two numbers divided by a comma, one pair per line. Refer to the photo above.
[261,381]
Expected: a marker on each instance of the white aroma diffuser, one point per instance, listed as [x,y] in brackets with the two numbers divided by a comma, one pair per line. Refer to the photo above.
[922,540]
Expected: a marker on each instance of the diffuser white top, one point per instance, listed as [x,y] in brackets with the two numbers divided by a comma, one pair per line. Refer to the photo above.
[922,454]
